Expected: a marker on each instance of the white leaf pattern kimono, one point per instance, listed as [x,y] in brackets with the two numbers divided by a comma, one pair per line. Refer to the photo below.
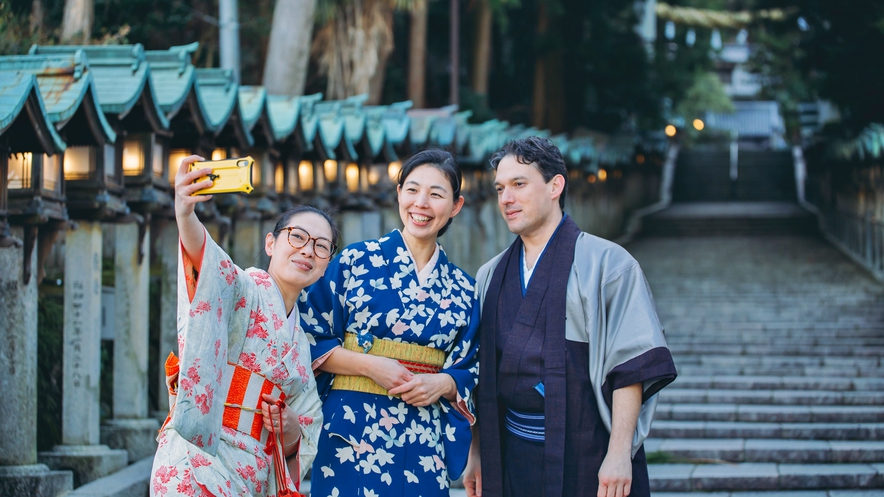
[377,445]
[238,317]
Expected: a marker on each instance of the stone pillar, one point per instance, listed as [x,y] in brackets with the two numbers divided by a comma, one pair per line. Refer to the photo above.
[131,429]
[19,472]
[80,450]
[351,227]
[167,246]
[371,225]
[390,219]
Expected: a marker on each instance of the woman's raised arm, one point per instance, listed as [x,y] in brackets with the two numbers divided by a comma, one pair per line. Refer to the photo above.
[190,229]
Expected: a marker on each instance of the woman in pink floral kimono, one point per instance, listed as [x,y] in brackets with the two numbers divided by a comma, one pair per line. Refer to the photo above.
[245,416]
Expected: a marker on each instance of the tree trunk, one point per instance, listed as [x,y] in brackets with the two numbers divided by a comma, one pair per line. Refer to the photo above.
[538,113]
[417,54]
[376,83]
[36,20]
[554,103]
[76,27]
[229,36]
[288,51]
[482,49]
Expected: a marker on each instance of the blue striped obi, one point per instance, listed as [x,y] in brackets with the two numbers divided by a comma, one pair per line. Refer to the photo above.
[527,426]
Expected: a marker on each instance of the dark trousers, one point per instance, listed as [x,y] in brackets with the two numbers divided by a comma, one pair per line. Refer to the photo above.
[522,466]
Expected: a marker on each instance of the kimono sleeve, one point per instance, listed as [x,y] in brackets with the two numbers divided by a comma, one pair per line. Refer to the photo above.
[462,362]
[309,409]
[323,319]
[206,298]
[636,350]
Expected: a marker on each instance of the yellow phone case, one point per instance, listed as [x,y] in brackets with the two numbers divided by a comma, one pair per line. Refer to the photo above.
[229,175]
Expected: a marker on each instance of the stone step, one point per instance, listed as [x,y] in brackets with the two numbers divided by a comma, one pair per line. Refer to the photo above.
[726,360]
[769,414]
[763,476]
[685,349]
[688,369]
[793,493]
[776,397]
[779,382]
[766,450]
[764,331]
[746,429]
[850,347]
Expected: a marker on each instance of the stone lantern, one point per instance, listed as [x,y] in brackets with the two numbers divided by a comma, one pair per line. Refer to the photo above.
[25,132]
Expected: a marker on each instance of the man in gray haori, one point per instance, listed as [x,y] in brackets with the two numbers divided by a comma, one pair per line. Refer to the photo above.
[572,351]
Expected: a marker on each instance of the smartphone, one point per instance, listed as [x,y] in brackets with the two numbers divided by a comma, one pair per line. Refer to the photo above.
[228,175]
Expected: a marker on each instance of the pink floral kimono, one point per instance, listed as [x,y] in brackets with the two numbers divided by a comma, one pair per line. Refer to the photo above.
[235,343]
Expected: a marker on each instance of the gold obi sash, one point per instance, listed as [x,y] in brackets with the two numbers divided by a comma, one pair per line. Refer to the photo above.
[416,358]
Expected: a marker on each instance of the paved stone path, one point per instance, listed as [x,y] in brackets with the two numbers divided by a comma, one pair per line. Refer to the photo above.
[779,342]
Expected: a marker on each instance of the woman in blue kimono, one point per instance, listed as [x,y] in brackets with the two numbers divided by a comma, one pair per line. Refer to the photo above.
[395,350]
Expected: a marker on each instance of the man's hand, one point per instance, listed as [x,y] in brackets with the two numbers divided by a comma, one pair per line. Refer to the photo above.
[615,475]
[472,476]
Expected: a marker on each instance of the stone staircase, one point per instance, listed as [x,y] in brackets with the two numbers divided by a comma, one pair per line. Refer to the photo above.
[779,343]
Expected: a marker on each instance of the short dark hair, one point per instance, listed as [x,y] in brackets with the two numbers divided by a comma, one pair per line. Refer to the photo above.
[539,152]
[441,160]
[283,219]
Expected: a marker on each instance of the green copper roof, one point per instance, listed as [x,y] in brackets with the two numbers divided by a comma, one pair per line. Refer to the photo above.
[66,86]
[331,130]
[309,122]
[376,133]
[23,118]
[173,76]
[122,79]
[252,100]
[395,120]
[218,96]
[255,114]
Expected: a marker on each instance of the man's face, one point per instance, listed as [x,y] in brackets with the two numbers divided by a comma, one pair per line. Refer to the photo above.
[526,201]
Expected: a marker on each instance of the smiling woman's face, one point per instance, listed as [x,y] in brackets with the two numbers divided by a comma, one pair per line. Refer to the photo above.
[426,202]
[298,267]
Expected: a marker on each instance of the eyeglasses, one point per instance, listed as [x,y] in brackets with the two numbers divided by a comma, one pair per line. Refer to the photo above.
[298,238]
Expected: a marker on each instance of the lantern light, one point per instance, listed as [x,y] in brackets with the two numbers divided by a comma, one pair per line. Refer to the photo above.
[305,175]
[19,173]
[603,175]
[175,157]
[351,174]
[133,157]
[279,178]
[699,124]
[374,174]
[639,159]
[393,171]
[77,163]
[670,130]
[219,154]
[591,178]
[331,170]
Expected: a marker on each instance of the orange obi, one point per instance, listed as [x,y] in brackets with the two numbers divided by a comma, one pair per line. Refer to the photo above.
[242,409]
[416,358]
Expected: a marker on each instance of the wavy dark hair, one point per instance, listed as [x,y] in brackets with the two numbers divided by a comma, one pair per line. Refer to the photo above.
[283,219]
[540,153]
[441,160]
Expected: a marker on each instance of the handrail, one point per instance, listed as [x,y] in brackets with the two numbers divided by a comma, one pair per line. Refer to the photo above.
[634,225]
[860,237]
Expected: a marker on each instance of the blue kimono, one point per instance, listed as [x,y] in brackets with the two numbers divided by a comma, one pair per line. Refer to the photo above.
[377,445]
